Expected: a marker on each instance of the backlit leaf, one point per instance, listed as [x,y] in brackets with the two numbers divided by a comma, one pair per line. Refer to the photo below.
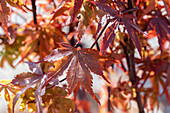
[16,3]
[4,12]
[132,34]
[59,12]
[77,6]
[168,76]
[21,92]
[79,63]
[161,26]
[106,9]
[25,78]
[6,95]
[34,67]
[108,38]
[64,105]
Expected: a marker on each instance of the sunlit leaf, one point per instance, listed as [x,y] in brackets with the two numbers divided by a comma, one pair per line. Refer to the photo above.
[77,6]
[4,12]
[16,3]
[6,95]
[23,79]
[64,105]
[81,63]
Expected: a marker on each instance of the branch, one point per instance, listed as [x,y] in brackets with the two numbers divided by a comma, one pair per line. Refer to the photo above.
[100,34]
[131,66]
[34,11]
[108,102]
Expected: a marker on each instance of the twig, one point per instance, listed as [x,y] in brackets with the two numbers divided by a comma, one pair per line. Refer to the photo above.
[27,8]
[108,102]
[34,11]
[54,85]
[100,34]
[62,80]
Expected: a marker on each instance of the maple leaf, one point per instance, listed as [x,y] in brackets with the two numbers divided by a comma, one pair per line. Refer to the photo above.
[161,26]
[8,90]
[59,11]
[4,12]
[26,79]
[23,79]
[77,6]
[106,9]
[149,8]
[16,3]
[48,34]
[59,102]
[168,76]
[64,105]
[7,86]
[126,19]
[79,63]
[108,38]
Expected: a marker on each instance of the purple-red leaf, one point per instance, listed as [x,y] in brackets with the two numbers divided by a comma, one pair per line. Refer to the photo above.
[25,79]
[80,62]
[108,38]
[106,9]
[4,12]
[34,67]
[132,34]
[98,29]
[77,6]
[38,93]
[168,77]
[161,26]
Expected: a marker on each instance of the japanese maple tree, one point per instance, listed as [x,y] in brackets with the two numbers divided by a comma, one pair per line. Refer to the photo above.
[66,43]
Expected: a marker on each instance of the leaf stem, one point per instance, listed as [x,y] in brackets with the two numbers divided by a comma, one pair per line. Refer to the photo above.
[100,34]
[34,11]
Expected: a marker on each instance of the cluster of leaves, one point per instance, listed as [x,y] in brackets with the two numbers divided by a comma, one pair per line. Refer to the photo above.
[52,52]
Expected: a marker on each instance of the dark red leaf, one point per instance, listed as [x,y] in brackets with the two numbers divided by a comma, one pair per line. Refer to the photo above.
[26,79]
[77,6]
[168,77]
[108,38]
[34,67]
[106,9]
[98,29]
[79,63]
[132,34]
[4,10]
[161,27]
